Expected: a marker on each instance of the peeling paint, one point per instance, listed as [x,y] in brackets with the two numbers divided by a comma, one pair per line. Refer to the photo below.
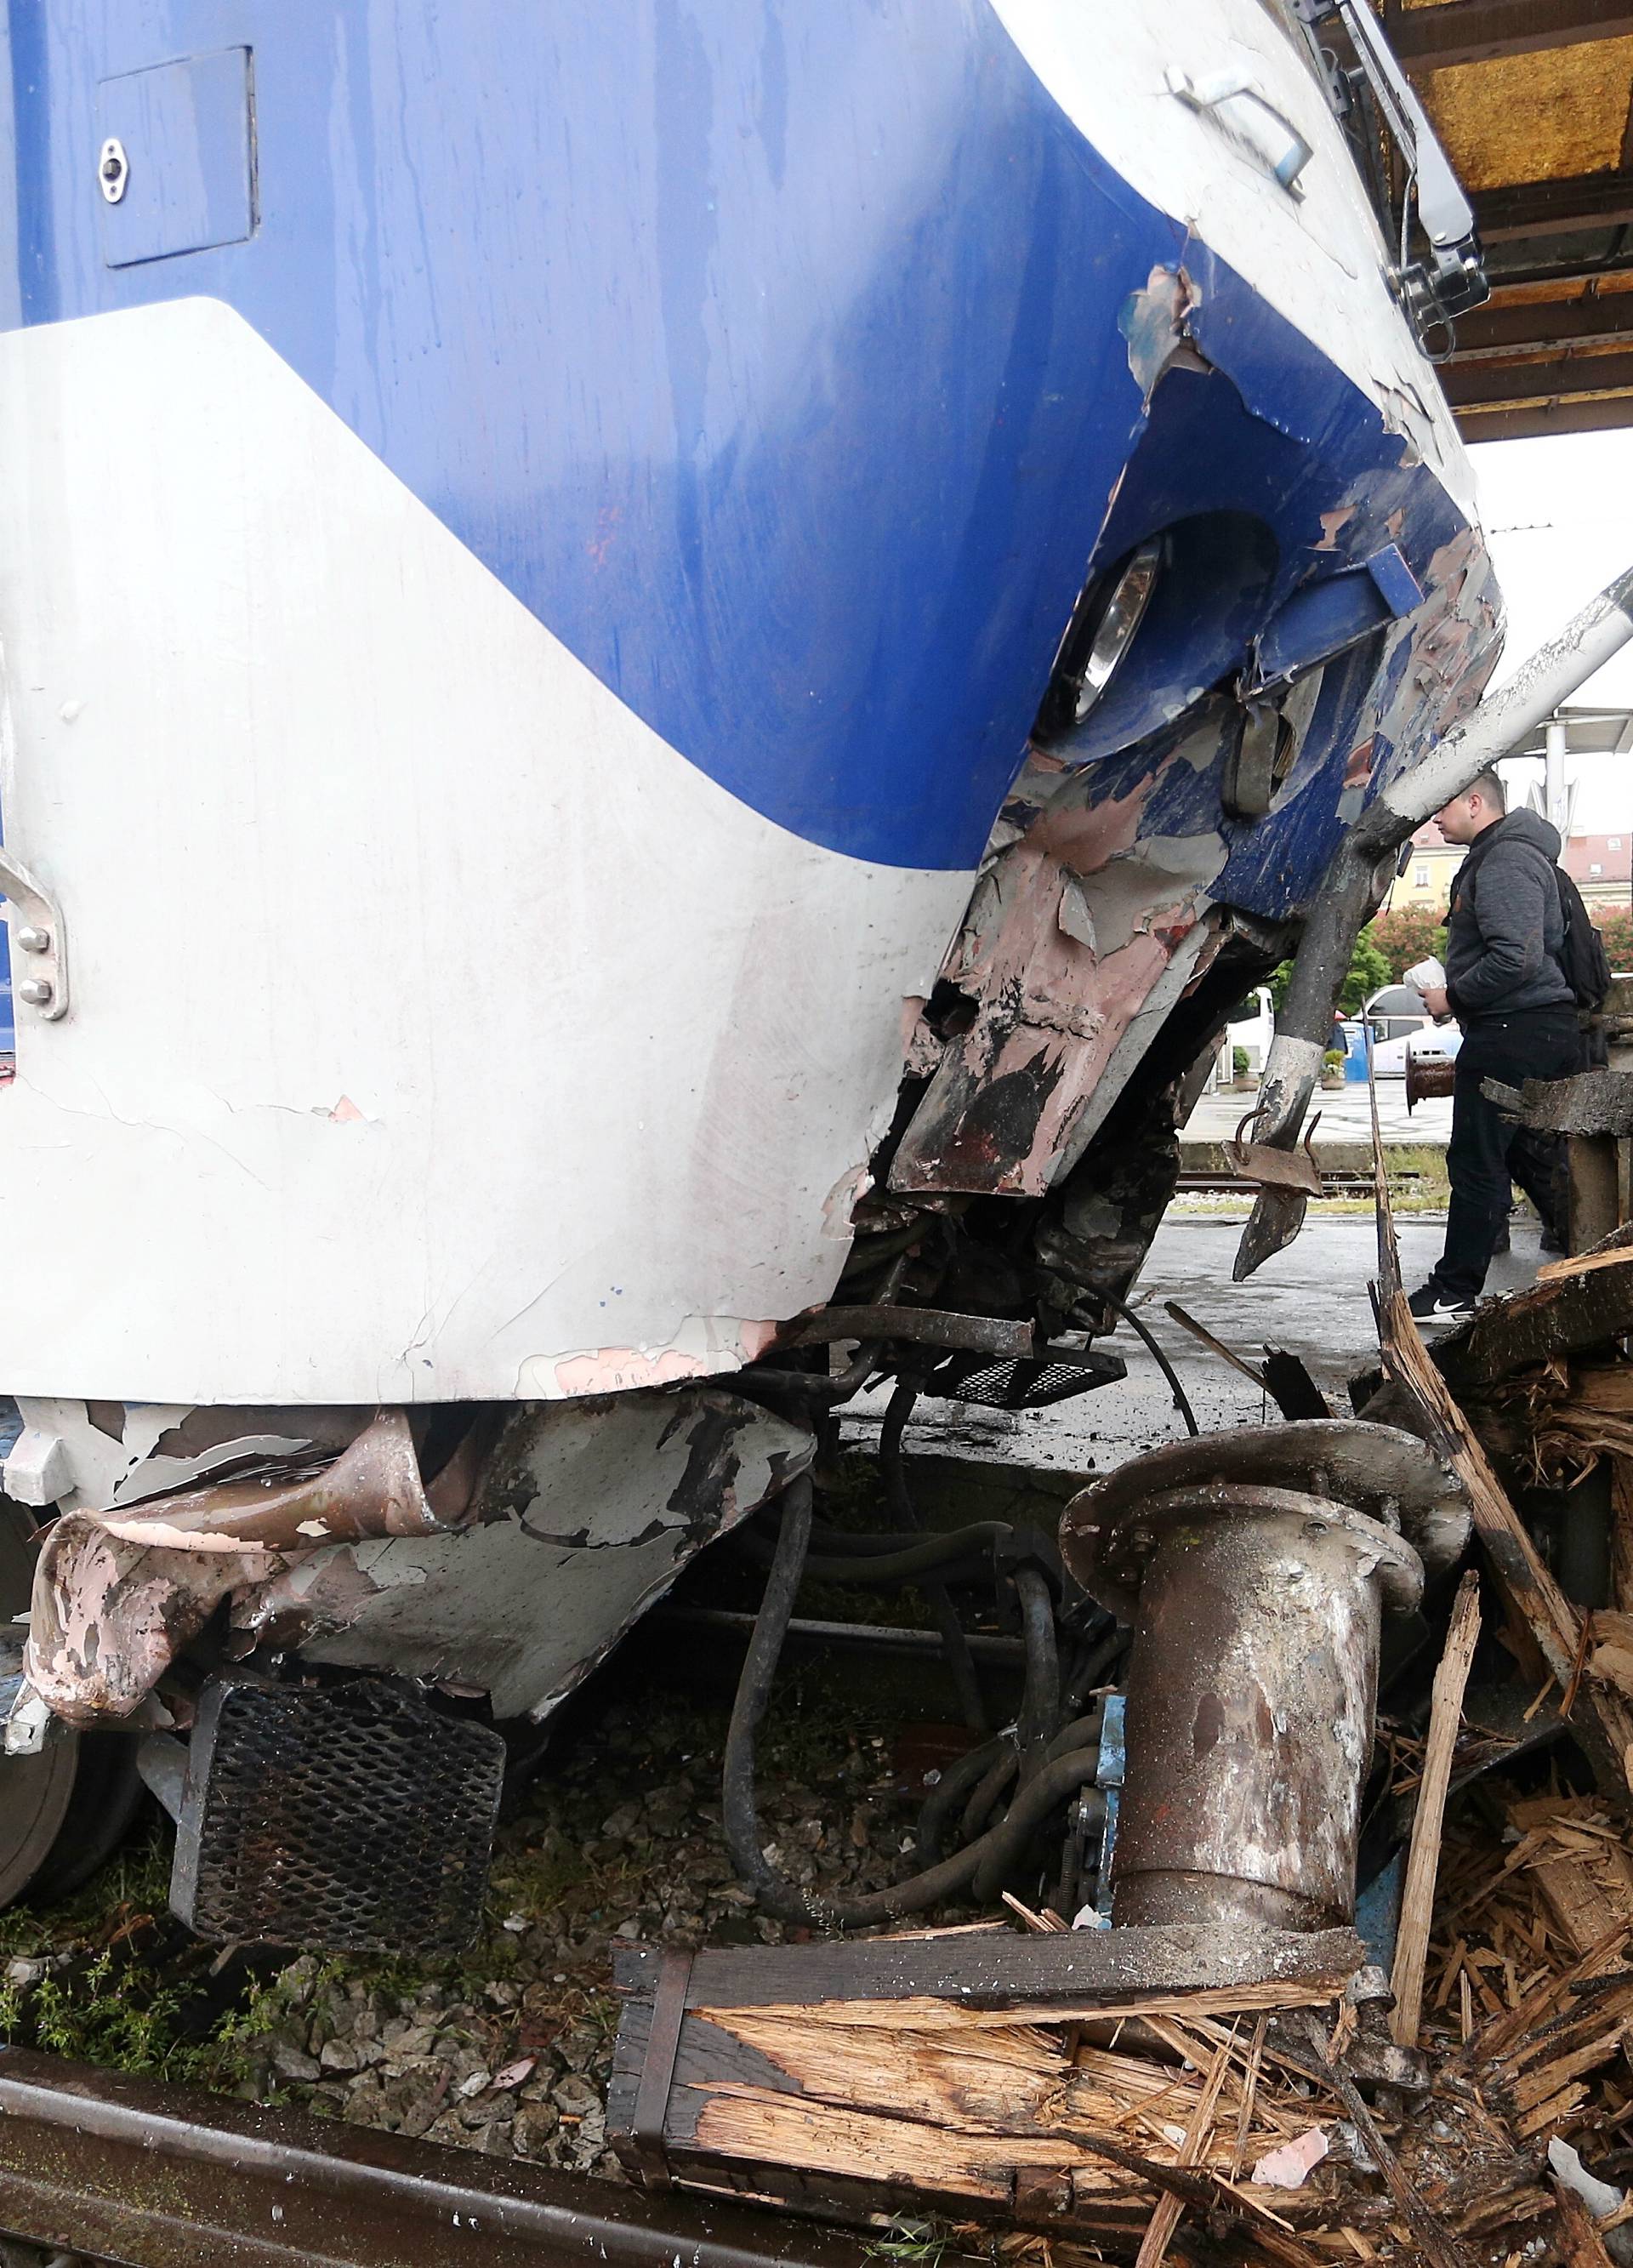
[589,1512]
[614,1370]
[702,1346]
[1068,934]
[1153,321]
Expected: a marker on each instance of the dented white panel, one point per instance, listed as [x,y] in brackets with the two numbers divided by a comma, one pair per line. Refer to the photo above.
[589,1515]
[438,1030]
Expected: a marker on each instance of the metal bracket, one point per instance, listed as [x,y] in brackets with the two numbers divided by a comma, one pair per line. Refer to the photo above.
[1273,1167]
[40,966]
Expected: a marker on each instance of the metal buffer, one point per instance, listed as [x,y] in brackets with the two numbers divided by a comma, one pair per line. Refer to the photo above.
[1255,1568]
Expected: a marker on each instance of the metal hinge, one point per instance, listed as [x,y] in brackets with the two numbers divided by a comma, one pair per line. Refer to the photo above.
[40,945]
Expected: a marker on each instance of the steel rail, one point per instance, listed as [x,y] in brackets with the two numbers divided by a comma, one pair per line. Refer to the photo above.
[149,2176]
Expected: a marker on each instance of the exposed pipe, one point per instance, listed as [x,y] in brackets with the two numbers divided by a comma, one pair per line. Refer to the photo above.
[1358,876]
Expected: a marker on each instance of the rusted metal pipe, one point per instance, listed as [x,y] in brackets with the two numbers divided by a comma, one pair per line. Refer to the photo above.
[1250,1696]
[94,2162]
[1436,1077]
[1255,1568]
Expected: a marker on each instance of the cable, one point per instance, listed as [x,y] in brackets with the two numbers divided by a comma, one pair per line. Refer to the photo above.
[953,1786]
[1091,1668]
[989,1792]
[999,1851]
[1163,1364]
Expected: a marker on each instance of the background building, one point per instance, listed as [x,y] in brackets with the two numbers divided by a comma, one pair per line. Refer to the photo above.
[1601,865]
[1426,885]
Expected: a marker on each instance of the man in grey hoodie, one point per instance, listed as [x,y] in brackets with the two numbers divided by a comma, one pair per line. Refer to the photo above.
[1506,985]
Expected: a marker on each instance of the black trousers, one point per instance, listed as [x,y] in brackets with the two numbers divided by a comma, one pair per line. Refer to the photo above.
[1487,1151]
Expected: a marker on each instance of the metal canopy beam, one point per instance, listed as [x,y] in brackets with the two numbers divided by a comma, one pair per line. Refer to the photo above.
[1539,327]
[1531,421]
[1470,385]
[1479,31]
[1550,207]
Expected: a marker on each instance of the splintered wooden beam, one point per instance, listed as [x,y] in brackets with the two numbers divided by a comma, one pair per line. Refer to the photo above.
[1435,2241]
[1563,1313]
[1540,1612]
[1622,1533]
[867,2076]
[1580,2243]
[1166,2218]
[1446,1717]
[962,1977]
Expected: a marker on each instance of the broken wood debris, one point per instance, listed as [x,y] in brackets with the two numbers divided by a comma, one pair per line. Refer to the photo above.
[998,2075]
[1147,2094]
[1423,1859]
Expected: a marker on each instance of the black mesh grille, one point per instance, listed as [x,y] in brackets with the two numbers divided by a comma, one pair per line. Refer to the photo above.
[354,1819]
[1010,1384]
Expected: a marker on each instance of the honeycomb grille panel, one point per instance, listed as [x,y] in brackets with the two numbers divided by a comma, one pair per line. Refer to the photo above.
[352,1819]
[1030,1383]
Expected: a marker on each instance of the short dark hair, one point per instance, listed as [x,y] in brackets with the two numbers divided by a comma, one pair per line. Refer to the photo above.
[1488,785]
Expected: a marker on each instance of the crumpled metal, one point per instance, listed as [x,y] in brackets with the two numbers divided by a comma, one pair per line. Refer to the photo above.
[117,1595]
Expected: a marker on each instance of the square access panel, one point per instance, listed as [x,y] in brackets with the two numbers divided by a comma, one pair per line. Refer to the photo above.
[176,142]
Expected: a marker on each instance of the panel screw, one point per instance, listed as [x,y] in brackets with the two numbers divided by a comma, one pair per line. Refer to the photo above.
[36,991]
[34,941]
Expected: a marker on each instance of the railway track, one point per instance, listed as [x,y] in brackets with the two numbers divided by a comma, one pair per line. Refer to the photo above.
[1334,1184]
[108,2167]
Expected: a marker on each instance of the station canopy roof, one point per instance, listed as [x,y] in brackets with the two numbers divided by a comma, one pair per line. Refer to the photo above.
[1531,98]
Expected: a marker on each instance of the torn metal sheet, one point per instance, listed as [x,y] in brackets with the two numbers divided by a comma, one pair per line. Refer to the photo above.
[587,1514]
[115,1453]
[118,1594]
[1071,933]
[584,1511]
[1289,1169]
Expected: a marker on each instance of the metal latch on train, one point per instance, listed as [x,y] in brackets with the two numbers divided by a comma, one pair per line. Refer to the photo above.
[1273,1168]
[40,961]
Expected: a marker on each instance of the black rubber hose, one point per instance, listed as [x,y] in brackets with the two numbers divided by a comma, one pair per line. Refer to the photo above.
[1092,1669]
[943,1555]
[1163,1364]
[1000,1849]
[1040,1708]
[773,1890]
[996,1778]
[1078,1734]
[863,1543]
[951,1788]
[987,1796]
[955,1645]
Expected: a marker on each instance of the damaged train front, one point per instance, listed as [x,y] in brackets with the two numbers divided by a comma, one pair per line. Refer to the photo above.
[635,843]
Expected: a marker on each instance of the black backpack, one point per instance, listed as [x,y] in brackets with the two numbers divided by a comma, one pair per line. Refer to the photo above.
[1582,956]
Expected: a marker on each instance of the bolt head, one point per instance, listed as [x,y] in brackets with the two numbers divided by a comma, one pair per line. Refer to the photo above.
[34,941]
[36,991]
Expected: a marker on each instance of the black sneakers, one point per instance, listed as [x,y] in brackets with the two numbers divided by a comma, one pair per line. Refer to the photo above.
[1429,1302]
